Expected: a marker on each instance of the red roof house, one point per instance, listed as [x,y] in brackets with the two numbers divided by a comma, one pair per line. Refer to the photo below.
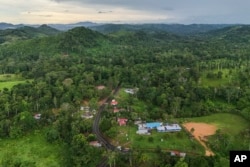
[95,144]
[122,121]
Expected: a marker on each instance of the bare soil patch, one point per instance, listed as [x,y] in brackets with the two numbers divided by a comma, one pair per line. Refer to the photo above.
[101,87]
[201,132]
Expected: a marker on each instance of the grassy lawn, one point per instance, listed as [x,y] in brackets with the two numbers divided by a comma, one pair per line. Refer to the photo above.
[229,123]
[9,80]
[127,137]
[31,148]
[215,82]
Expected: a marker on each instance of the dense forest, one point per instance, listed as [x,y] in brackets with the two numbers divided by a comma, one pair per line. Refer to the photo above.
[177,76]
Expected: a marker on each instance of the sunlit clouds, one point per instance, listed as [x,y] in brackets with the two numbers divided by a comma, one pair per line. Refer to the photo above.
[124,11]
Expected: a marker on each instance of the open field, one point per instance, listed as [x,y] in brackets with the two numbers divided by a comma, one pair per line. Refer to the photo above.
[9,80]
[9,84]
[200,132]
[228,123]
[31,149]
[225,79]
[127,137]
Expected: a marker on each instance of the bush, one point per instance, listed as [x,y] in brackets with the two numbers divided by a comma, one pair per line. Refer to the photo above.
[52,135]
[151,139]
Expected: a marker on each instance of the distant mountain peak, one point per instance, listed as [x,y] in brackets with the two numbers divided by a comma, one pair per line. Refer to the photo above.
[44,26]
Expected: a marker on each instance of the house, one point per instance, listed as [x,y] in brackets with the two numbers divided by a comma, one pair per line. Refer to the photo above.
[116,110]
[142,132]
[114,102]
[86,108]
[130,91]
[153,125]
[144,128]
[122,121]
[37,116]
[177,153]
[100,87]
[95,144]
[87,115]
[169,128]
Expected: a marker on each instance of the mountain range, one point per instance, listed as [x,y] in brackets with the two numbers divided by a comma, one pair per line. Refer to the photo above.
[110,28]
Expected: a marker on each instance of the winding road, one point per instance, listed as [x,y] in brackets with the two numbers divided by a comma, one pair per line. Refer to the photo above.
[98,133]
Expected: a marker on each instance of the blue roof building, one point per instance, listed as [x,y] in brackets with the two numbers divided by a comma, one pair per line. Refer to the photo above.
[153,125]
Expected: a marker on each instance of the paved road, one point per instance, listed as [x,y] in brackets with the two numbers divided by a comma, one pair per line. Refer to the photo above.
[99,134]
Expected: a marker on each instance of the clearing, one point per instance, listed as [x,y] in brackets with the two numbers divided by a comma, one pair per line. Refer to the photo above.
[10,80]
[200,132]
[32,149]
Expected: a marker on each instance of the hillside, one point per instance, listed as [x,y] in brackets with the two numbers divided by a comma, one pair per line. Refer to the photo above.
[236,34]
[24,33]
[178,29]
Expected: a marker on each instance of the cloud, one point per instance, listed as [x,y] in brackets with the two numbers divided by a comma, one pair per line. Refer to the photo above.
[100,12]
[136,11]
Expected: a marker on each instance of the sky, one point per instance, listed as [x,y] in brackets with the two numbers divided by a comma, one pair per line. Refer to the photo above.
[125,11]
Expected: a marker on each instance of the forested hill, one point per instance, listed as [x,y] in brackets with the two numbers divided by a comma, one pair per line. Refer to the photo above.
[25,32]
[235,34]
[71,41]
[178,29]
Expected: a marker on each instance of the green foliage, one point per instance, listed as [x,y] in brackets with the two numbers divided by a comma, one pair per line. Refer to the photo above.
[24,33]
[52,135]
[176,76]
[31,151]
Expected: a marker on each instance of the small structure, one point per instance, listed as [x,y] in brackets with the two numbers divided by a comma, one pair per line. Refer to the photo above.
[122,121]
[116,110]
[114,102]
[153,125]
[142,132]
[130,91]
[100,87]
[37,116]
[95,144]
[177,153]
[87,115]
[85,112]
[145,128]
[169,128]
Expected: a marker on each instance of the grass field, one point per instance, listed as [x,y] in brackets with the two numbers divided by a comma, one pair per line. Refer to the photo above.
[127,137]
[32,148]
[9,80]
[229,123]
[215,82]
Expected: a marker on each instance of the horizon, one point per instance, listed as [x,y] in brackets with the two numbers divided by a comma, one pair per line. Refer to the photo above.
[125,12]
[116,23]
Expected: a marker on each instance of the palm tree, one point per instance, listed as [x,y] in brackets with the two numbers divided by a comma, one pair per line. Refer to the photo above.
[111,155]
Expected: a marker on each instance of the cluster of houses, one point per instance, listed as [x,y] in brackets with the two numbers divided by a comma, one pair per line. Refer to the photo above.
[145,128]
[120,121]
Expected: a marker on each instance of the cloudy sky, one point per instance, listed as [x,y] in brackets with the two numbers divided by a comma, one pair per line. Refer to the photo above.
[125,11]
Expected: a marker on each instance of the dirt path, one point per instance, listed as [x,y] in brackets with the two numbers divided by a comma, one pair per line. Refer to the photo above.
[201,131]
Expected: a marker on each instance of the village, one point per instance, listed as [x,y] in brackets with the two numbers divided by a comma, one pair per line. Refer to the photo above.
[144,128]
